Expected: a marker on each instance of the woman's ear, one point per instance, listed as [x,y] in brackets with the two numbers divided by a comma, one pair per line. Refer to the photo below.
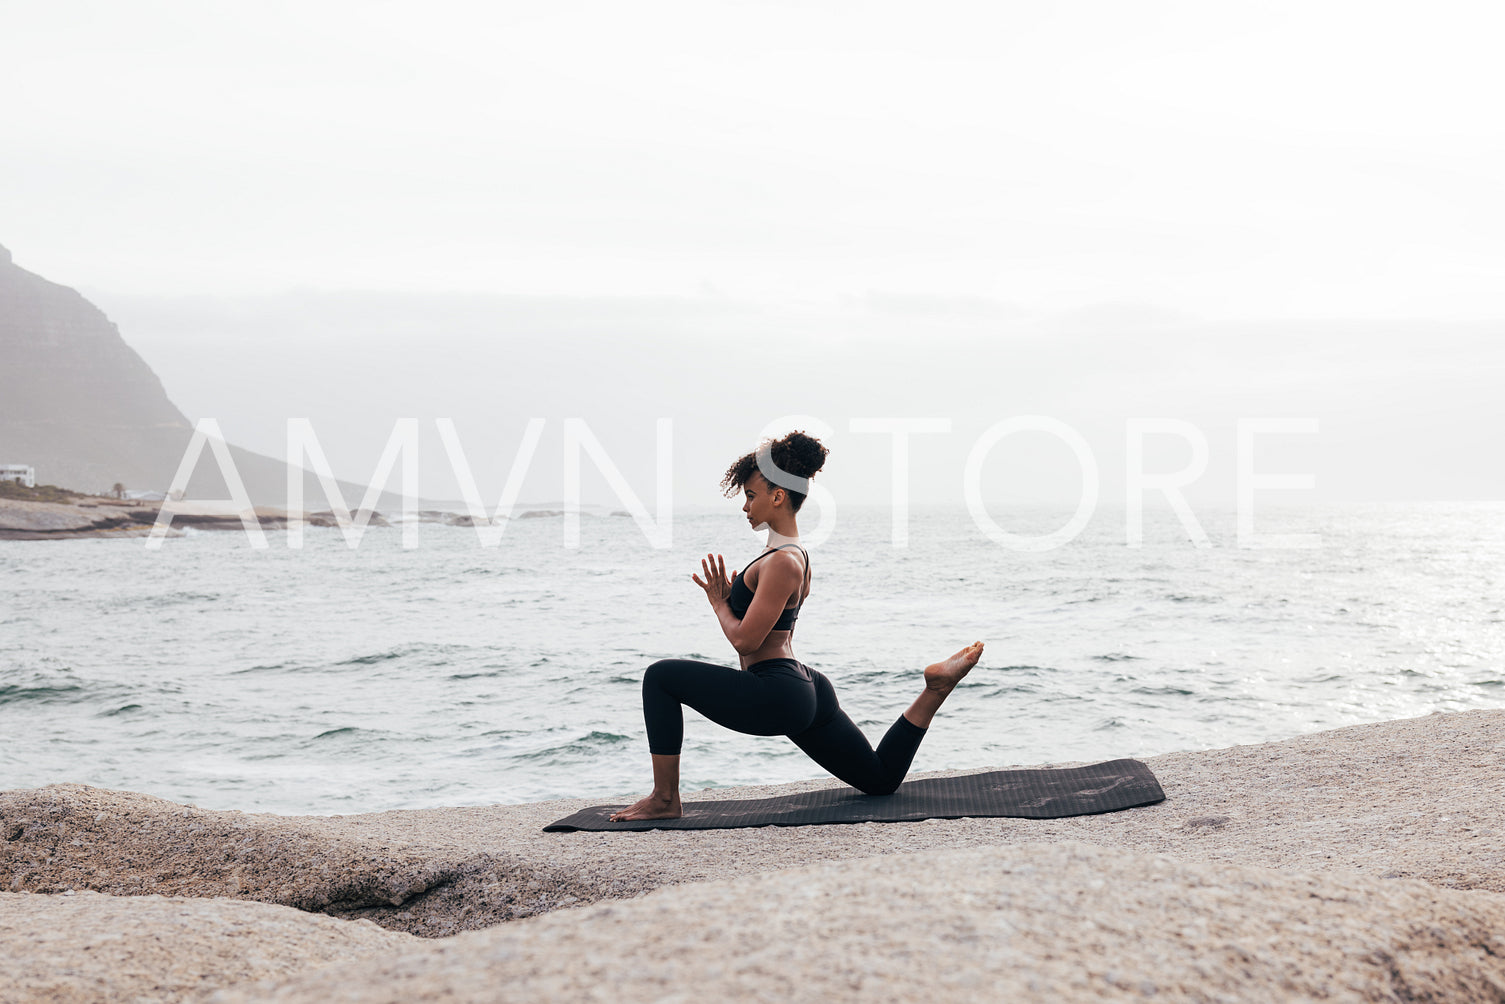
[779,496]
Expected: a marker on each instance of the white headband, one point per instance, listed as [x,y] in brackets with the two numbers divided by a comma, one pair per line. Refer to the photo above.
[778,477]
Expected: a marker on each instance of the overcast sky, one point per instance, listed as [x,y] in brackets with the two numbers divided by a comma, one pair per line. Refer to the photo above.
[724,213]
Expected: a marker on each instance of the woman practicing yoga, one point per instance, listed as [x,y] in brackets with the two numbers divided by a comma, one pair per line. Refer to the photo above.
[773,694]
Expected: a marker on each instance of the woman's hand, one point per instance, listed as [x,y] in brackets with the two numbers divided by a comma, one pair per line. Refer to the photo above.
[717,585]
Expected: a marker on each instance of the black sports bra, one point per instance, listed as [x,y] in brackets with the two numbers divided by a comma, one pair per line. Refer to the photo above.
[741,596]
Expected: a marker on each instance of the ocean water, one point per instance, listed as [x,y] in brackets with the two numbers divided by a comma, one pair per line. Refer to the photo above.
[338,680]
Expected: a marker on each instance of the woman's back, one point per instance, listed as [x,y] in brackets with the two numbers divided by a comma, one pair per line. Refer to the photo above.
[741,595]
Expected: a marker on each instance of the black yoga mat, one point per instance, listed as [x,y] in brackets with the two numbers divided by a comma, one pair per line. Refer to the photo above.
[1028,794]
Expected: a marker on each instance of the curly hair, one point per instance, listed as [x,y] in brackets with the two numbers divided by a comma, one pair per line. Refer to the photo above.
[796,454]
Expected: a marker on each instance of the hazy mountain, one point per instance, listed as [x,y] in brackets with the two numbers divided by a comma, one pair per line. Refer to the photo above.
[83,408]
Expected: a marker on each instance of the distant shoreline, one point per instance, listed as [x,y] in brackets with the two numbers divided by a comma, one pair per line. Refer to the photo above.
[96,516]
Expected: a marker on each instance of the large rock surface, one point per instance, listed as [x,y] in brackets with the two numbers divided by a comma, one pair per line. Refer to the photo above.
[1418,798]
[85,947]
[68,837]
[1362,864]
[1041,923]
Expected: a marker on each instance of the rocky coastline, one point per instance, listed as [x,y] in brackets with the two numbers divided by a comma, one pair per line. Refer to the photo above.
[1365,863]
[79,516]
[85,516]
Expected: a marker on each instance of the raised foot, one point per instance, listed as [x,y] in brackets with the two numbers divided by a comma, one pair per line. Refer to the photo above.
[943,676]
[653,807]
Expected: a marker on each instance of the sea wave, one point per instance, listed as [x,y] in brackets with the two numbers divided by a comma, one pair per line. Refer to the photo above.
[388,678]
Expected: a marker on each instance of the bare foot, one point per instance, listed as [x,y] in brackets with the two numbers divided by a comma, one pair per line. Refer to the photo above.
[942,677]
[655,806]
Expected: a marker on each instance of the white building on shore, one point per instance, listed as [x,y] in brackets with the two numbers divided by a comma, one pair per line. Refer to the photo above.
[19,472]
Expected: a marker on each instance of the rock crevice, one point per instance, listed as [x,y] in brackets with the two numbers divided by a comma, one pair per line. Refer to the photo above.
[71,837]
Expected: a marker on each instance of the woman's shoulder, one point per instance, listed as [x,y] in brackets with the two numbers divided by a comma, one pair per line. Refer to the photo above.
[795,550]
[789,555]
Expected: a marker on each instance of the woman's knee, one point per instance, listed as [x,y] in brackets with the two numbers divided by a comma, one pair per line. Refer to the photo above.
[653,676]
[660,676]
[658,670]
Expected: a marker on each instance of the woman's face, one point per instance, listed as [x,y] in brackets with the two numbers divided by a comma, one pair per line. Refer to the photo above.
[757,501]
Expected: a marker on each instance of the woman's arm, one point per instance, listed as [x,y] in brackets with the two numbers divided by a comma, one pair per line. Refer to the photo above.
[778,579]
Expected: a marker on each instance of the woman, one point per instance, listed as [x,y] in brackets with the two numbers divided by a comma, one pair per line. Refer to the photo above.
[773,693]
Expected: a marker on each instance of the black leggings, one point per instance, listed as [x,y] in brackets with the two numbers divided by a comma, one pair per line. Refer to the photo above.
[776,697]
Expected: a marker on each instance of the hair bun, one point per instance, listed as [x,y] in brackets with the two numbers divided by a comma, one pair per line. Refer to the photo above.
[798,453]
